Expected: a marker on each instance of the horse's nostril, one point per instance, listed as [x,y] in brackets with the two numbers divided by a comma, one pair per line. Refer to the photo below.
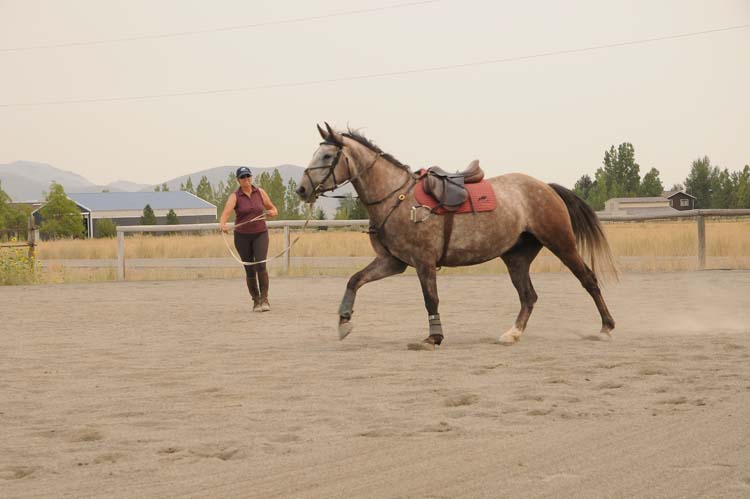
[300,190]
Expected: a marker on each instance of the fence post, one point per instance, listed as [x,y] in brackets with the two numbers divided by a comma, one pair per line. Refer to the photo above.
[701,242]
[120,256]
[31,238]
[287,257]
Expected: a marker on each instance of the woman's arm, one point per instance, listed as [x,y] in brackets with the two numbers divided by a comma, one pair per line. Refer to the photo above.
[231,203]
[271,210]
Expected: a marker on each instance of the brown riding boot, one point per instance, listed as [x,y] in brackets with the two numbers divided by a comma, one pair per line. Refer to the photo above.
[252,286]
[263,281]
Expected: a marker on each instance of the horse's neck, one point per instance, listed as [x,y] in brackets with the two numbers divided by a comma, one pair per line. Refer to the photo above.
[376,183]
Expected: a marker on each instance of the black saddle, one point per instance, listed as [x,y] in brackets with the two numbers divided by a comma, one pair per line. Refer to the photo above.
[448,188]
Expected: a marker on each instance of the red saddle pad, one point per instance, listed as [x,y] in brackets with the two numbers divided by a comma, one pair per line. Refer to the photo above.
[481,198]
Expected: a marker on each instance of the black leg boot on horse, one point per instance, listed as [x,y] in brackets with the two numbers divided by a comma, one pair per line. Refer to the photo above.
[428,279]
[252,287]
[263,280]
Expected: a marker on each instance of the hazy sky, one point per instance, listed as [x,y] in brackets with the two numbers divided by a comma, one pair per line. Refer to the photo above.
[551,117]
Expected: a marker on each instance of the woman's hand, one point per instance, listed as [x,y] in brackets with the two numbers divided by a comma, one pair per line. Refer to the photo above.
[223,227]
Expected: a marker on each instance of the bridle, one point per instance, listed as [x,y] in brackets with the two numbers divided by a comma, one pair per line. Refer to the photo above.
[319,189]
[331,173]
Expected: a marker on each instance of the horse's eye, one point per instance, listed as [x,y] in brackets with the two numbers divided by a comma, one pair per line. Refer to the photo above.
[327,156]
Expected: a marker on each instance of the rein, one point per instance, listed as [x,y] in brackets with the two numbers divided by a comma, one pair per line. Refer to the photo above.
[263,217]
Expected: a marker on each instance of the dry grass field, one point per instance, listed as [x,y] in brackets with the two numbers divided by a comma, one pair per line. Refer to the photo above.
[647,246]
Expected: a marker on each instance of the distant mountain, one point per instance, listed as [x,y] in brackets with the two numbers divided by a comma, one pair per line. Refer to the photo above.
[220,174]
[125,186]
[28,181]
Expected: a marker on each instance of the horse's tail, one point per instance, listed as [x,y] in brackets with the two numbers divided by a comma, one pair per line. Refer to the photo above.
[589,234]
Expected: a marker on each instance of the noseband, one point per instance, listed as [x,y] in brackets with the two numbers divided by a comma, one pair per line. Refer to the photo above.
[331,170]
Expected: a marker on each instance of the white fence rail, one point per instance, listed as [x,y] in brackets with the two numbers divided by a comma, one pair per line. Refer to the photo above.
[699,215]
[274,224]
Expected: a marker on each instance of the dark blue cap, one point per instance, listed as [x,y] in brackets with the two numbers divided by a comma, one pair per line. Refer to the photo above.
[243,170]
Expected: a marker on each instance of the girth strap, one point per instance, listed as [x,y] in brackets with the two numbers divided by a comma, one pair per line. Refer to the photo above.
[447,229]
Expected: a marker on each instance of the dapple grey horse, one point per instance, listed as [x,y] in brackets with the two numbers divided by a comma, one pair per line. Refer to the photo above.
[529,215]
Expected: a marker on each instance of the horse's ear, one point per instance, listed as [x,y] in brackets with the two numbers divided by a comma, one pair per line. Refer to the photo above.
[332,135]
[322,133]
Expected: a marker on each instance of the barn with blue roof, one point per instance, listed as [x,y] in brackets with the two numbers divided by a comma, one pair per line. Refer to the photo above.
[126,208]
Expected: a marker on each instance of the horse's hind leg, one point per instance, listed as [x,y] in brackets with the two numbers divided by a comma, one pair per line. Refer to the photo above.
[568,254]
[518,260]
[382,266]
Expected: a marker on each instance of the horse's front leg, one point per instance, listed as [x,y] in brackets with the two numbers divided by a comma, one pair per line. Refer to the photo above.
[382,266]
[428,280]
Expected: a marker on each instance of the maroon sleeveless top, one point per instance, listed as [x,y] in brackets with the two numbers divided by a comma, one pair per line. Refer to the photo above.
[248,208]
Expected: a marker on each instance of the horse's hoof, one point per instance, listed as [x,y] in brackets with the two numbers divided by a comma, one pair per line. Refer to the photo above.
[510,337]
[344,329]
[427,344]
[422,345]
[607,331]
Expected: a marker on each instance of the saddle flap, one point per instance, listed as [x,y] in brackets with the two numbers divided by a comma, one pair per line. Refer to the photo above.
[448,190]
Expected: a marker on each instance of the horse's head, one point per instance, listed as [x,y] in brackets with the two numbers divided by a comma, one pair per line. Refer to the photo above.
[328,167]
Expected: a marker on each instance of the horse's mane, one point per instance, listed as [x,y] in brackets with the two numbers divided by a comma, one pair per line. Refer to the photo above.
[358,137]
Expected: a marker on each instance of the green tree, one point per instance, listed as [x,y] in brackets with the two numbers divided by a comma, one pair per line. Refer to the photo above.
[743,188]
[204,190]
[622,172]
[619,177]
[292,202]
[223,191]
[263,181]
[722,189]
[188,187]
[172,218]
[4,206]
[105,227]
[699,181]
[15,218]
[276,189]
[148,217]
[273,184]
[651,185]
[351,208]
[583,186]
[319,214]
[60,215]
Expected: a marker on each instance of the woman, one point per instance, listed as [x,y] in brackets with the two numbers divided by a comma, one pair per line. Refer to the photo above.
[251,234]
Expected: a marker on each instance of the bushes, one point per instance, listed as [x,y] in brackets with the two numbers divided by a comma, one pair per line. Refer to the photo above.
[17,268]
[105,228]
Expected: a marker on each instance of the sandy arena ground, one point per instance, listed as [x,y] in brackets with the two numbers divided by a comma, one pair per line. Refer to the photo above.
[175,389]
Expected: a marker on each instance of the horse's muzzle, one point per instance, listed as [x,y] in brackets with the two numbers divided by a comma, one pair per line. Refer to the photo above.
[306,194]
